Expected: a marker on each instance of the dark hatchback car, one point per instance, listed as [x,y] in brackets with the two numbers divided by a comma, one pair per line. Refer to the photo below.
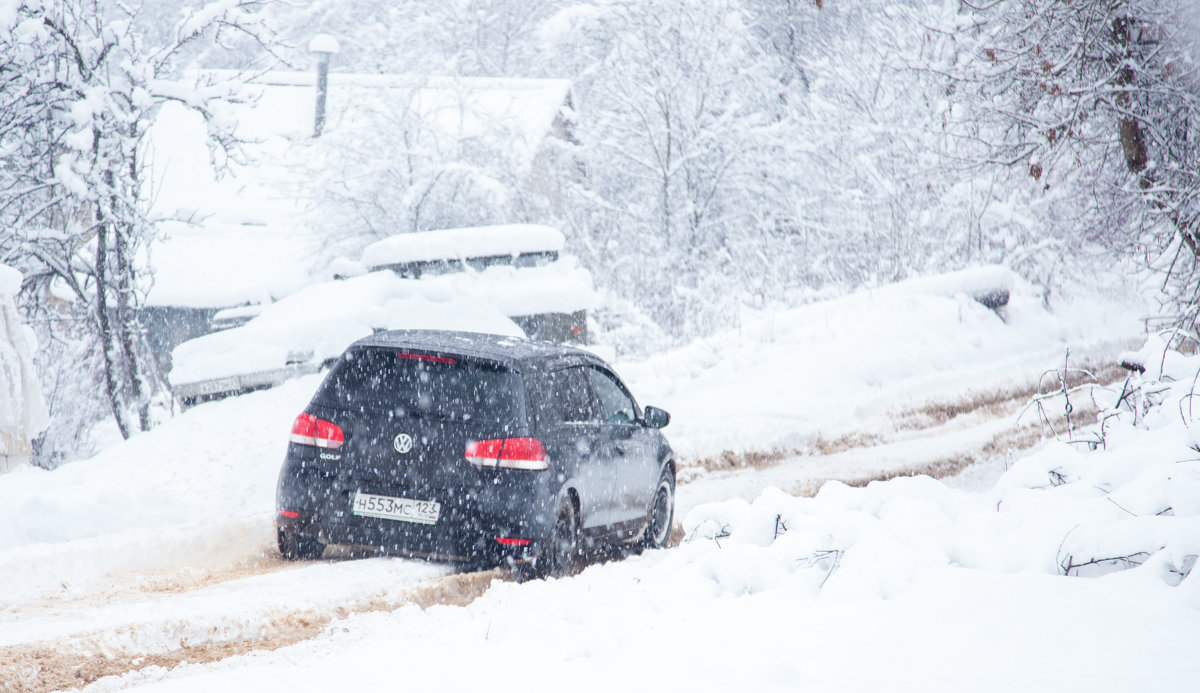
[474,448]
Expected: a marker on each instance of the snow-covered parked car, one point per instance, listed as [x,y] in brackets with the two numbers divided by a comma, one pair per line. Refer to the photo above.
[538,295]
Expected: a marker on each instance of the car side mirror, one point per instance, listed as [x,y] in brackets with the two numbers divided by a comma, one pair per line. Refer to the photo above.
[655,417]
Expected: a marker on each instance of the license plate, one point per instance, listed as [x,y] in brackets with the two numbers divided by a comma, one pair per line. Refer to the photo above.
[215,386]
[424,512]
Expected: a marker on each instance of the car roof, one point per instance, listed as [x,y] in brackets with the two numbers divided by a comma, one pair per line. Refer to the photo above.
[492,347]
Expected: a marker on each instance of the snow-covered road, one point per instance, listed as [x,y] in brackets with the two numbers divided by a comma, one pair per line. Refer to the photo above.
[201,590]
[160,550]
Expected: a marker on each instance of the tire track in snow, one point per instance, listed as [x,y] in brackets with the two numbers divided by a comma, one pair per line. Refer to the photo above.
[45,666]
[939,439]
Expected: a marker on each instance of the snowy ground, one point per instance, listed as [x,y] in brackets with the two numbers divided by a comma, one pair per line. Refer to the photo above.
[118,569]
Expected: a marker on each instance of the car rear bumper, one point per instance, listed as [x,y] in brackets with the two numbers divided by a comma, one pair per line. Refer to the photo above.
[477,507]
[475,543]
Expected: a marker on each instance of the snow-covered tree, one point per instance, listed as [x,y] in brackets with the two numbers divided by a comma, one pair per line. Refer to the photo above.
[679,124]
[472,38]
[420,168]
[75,195]
[1102,99]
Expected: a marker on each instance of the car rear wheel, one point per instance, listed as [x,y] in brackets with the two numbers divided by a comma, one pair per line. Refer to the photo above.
[662,513]
[295,547]
[560,554]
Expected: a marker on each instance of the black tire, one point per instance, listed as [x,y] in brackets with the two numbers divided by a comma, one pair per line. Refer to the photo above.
[560,555]
[661,515]
[294,547]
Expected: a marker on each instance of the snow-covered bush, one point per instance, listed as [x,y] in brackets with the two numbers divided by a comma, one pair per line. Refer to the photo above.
[1132,505]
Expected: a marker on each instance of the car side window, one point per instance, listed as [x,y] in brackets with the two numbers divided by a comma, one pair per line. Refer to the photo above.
[570,394]
[615,404]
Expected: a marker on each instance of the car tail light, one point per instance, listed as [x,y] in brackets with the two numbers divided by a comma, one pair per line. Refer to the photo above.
[509,541]
[508,453]
[290,514]
[485,453]
[309,430]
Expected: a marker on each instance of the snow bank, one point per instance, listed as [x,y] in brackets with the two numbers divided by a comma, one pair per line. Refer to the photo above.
[197,491]
[459,244]
[851,363]
[23,412]
[1133,505]
[973,281]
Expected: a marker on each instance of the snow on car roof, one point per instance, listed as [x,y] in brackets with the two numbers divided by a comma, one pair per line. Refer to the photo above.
[477,344]
[452,244]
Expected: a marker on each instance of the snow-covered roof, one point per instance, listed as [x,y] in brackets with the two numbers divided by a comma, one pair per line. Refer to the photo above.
[221,264]
[250,223]
[456,244]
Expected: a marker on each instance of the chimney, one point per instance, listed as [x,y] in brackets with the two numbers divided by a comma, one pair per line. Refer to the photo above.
[324,46]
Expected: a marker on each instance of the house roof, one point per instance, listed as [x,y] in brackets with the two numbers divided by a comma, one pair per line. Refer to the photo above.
[247,239]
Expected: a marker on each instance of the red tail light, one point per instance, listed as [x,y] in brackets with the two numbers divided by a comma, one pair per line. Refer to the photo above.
[508,453]
[309,430]
[509,541]
[484,453]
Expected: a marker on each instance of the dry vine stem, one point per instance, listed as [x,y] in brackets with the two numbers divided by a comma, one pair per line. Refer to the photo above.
[1065,390]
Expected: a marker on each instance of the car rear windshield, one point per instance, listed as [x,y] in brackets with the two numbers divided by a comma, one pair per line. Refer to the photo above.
[411,384]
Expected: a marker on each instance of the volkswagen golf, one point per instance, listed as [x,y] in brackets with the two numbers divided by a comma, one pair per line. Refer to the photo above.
[477,449]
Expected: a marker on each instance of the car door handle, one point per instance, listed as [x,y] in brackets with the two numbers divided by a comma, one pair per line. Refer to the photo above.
[620,449]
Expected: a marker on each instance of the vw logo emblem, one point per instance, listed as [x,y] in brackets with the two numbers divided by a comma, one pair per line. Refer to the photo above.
[403,443]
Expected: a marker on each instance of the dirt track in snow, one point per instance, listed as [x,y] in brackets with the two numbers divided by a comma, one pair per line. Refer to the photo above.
[44,666]
[89,656]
